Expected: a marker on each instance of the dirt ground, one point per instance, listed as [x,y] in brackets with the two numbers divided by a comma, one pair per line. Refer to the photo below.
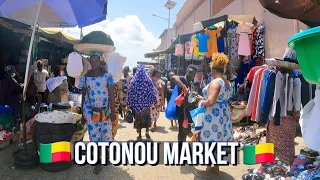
[125,133]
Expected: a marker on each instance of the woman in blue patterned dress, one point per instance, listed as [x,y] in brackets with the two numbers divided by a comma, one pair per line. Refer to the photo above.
[98,92]
[217,125]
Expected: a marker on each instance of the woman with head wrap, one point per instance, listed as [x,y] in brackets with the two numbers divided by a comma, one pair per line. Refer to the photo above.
[12,93]
[98,104]
[217,126]
[141,96]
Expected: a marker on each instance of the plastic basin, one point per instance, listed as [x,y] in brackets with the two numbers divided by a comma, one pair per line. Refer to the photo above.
[307,47]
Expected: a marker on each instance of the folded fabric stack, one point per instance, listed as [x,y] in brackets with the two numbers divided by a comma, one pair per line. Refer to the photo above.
[305,164]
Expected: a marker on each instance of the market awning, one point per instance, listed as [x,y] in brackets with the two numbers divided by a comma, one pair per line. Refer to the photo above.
[148,62]
[154,54]
[54,33]
[59,34]
[225,18]
[307,12]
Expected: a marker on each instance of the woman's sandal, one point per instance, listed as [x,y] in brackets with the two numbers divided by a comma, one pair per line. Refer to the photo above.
[139,138]
[148,136]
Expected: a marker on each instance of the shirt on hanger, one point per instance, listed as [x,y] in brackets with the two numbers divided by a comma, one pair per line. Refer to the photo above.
[203,42]
[179,50]
[196,46]
[189,48]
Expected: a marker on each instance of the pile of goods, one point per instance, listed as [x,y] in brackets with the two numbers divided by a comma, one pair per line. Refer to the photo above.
[56,117]
[276,171]
[5,138]
[306,164]
[248,135]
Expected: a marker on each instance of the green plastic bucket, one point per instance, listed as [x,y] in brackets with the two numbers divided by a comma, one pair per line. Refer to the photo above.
[307,47]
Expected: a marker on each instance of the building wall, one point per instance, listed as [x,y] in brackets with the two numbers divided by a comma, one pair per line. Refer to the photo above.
[164,39]
[192,12]
[219,5]
[278,30]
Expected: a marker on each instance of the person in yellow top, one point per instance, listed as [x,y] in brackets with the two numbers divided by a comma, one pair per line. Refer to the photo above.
[196,46]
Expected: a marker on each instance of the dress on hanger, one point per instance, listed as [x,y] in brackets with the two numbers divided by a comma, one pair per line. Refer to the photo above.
[233,42]
[212,43]
[220,41]
[244,44]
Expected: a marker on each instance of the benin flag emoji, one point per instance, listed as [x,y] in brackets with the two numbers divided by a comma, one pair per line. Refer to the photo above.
[261,153]
[55,152]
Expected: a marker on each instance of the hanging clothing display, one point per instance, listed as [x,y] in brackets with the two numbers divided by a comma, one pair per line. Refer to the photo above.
[274,99]
[220,41]
[212,44]
[203,40]
[259,42]
[188,48]
[244,44]
[196,46]
[179,50]
[252,41]
[233,42]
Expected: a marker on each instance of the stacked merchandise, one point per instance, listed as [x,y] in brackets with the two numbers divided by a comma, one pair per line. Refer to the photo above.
[306,165]
[5,138]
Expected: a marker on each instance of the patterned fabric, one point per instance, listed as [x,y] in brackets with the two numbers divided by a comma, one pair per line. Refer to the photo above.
[283,138]
[307,175]
[233,42]
[141,94]
[97,88]
[118,95]
[156,107]
[115,126]
[8,68]
[259,42]
[125,86]
[252,41]
[217,125]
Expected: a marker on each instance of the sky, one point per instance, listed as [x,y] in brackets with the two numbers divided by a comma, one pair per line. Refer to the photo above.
[132,27]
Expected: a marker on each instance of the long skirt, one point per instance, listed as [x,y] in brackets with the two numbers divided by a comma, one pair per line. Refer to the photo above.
[282,137]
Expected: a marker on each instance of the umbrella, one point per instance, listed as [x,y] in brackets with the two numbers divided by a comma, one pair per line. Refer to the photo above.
[50,13]
[306,11]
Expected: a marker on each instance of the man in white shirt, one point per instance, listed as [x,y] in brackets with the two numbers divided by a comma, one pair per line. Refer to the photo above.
[40,77]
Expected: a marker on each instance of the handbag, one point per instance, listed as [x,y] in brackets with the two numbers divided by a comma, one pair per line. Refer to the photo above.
[98,114]
[129,116]
[180,99]
[171,110]
[197,116]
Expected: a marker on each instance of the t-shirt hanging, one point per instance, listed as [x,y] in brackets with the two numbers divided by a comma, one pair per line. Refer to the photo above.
[179,50]
[203,42]
[189,48]
[196,46]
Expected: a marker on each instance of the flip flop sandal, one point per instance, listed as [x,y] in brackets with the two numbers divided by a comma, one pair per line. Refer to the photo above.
[139,138]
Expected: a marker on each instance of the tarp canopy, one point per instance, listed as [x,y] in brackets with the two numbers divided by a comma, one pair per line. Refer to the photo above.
[224,19]
[307,11]
[54,33]
[59,34]
[148,62]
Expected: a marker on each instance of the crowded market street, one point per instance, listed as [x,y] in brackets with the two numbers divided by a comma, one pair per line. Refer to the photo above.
[126,132]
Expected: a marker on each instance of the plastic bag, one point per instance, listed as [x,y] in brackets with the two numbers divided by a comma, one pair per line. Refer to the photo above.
[309,122]
[180,99]
[197,116]
[171,113]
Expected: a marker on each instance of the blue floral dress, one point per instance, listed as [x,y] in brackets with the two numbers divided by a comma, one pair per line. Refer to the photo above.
[99,96]
[217,125]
